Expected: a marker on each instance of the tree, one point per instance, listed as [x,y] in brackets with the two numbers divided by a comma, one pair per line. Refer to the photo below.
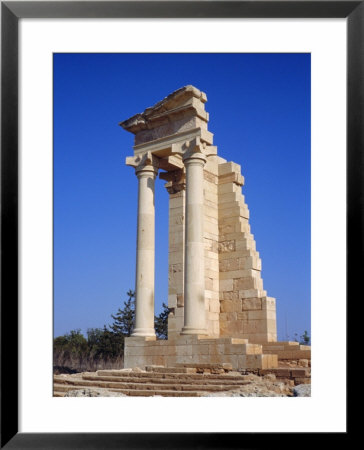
[73,342]
[124,319]
[161,323]
[305,339]
[103,343]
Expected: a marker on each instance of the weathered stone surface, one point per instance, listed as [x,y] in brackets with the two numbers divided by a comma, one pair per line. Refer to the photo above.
[302,390]
[92,392]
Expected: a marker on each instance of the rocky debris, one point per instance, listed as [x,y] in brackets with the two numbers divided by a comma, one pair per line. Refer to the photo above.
[137,370]
[265,386]
[270,377]
[302,390]
[93,393]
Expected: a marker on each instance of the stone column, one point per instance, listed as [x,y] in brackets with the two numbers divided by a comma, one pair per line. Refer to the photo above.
[194,279]
[145,258]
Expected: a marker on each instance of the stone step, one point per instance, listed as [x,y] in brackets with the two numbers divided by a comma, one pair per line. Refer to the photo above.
[178,370]
[146,386]
[134,392]
[198,376]
[58,394]
[199,381]
[225,366]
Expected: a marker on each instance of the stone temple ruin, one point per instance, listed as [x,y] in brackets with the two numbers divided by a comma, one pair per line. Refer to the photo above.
[219,310]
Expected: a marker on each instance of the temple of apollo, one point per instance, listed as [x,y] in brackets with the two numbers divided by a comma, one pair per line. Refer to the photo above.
[219,310]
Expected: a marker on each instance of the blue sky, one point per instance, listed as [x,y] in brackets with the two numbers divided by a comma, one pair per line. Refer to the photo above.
[259,107]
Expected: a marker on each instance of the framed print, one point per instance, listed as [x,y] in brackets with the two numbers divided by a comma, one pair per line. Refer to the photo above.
[34,31]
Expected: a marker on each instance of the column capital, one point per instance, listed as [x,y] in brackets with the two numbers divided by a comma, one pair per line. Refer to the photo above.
[194,149]
[144,163]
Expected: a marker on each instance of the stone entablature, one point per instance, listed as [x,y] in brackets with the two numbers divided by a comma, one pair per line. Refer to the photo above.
[215,284]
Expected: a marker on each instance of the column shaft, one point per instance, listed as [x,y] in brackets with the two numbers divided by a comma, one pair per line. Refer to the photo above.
[194,280]
[145,258]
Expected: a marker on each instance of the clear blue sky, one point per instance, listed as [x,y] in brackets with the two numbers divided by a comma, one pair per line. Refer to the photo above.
[259,107]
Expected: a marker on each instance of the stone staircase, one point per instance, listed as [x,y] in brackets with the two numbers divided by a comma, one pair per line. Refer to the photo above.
[156,380]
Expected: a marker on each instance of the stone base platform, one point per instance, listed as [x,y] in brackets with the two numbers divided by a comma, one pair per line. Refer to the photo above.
[196,349]
[288,350]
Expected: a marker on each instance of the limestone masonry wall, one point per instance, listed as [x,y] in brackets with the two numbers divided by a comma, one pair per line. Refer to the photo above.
[236,303]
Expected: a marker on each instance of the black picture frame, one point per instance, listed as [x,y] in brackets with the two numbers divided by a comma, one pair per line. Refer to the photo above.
[11,12]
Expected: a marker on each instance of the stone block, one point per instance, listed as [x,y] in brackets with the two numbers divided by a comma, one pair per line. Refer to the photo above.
[215,328]
[212,295]
[300,373]
[235,211]
[212,264]
[229,265]
[214,306]
[209,284]
[269,303]
[254,326]
[210,177]
[176,202]
[245,244]
[213,274]
[269,361]
[227,316]
[226,285]
[252,349]
[238,274]
[283,372]
[210,187]
[227,306]
[298,381]
[226,246]
[253,303]
[250,262]
[230,205]
[232,177]
[225,228]
[175,257]
[176,219]
[256,315]
[233,327]
[242,315]
[210,196]
[175,279]
[252,293]
[176,239]
[228,187]
[229,197]
[180,300]
[305,347]
[230,295]
[253,361]
[228,167]
[243,284]
[212,315]
[243,226]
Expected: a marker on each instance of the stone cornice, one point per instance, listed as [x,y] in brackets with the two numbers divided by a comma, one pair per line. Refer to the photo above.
[187,98]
